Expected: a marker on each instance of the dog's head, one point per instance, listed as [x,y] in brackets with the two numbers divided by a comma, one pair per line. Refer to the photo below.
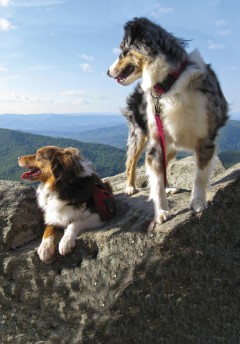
[51,164]
[142,43]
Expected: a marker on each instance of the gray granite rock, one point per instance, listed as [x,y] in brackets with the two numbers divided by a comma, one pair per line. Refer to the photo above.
[121,284]
[20,219]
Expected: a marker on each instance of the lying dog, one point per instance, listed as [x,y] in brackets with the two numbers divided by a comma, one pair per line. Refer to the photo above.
[66,194]
[184,92]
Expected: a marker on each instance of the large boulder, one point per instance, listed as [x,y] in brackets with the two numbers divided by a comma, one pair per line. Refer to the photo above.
[121,284]
[20,219]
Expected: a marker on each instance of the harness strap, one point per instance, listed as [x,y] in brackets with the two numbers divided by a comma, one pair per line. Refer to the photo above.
[164,86]
[163,145]
[160,89]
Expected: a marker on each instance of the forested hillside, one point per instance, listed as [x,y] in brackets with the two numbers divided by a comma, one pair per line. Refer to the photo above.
[230,158]
[229,137]
[107,160]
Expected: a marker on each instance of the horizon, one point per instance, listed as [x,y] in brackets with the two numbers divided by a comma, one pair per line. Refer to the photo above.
[231,118]
[55,53]
[65,114]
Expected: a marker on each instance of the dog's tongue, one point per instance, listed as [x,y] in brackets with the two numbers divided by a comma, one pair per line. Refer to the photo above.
[32,173]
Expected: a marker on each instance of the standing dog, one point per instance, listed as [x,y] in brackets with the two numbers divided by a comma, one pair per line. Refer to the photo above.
[67,195]
[187,95]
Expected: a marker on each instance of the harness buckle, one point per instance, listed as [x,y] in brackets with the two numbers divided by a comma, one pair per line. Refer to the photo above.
[157,106]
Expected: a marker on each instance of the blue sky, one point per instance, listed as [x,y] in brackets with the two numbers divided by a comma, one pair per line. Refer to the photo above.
[55,53]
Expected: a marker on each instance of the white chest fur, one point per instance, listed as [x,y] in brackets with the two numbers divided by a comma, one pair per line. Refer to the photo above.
[56,211]
[183,108]
[185,119]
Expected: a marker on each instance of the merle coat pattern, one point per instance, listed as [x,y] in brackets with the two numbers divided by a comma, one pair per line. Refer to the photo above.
[192,109]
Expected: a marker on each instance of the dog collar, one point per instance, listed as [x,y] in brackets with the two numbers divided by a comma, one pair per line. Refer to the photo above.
[164,86]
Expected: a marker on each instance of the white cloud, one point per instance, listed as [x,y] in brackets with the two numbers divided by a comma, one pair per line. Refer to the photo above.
[233,69]
[75,97]
[37,3]
[81,101]
[41,67]
[220,22]
[226,32]
[78,101]
[21,98]
[86,57]
[10,77]
[15,55]
[86,67]
[5,25]
[3,69]
[4,3]
[73,93]
[160,10]
[116,51]
[215,46]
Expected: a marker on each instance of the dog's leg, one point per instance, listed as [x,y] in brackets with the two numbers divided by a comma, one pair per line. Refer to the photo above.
[204,156]
[136,143]
[71,233]
[46,249]
[155,172]
[169,189]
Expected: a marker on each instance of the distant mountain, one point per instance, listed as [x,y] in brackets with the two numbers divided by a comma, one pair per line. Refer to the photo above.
[59,123]
[114,136]
[230,158]
[229,137]
[105,129]
[108,130]
[107,160]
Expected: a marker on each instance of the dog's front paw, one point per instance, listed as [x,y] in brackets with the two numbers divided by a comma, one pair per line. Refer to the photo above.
[162,217]
[46,250]
[171,190]
[67,243]
[197,205]
[130,190]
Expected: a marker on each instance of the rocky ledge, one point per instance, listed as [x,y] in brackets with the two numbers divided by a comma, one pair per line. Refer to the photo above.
[180,284]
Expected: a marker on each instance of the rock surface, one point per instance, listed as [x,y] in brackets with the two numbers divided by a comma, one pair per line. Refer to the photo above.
[20,220]
[180,284]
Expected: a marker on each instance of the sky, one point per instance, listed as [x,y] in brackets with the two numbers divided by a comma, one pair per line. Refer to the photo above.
[54,54]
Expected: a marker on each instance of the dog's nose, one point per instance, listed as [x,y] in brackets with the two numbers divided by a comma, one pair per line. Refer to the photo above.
[108,72]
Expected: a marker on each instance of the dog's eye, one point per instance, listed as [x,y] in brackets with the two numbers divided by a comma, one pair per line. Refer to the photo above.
[123,53]
[39,157]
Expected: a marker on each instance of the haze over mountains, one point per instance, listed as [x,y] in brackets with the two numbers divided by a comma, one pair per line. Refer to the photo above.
[59,123]
[104,128]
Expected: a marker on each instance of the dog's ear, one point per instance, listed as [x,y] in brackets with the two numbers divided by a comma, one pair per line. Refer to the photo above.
[66,164]
[74,151]
[140,34]
[149,39]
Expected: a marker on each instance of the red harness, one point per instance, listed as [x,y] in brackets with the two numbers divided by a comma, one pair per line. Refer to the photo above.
[159,89]
[104,202]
